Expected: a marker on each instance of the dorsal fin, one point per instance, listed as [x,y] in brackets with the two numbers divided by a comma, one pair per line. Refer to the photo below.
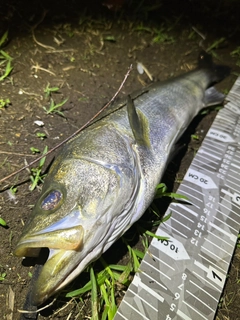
[138,123]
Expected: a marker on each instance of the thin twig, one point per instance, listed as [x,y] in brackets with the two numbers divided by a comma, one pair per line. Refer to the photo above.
[21,91]
[201,35]
[33,34]
[61,50]
[38,310]
[41,44]
[64,307]
[76,132]
[37,67]
[17,154]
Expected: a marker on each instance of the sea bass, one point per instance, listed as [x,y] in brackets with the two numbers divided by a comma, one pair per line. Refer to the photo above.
[105,178]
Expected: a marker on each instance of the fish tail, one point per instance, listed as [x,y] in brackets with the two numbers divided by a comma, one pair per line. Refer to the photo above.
[216,72]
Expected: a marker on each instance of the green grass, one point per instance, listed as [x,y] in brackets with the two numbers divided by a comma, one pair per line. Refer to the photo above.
[2,276]
[8,67]
[162,192]
[36,176]
[5,59]
[94,294]
[103,285]
[49,90]
[215,45]
[34,150]
[3,223]
[4,103]
[195,137]
[41,135]
[3,39]
[160,35]
[13,190]
[236,54]
[54,108]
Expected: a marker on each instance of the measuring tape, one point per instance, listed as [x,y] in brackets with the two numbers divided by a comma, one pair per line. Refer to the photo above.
[183,277]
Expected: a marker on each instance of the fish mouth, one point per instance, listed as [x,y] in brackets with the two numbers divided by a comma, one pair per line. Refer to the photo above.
[63,246]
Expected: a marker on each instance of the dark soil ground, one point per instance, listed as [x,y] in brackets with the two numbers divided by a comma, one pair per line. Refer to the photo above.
[85,49]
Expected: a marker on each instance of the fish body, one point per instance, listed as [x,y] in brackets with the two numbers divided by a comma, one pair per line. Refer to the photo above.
[105,178]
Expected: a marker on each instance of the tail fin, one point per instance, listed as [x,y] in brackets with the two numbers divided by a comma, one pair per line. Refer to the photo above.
[217,72]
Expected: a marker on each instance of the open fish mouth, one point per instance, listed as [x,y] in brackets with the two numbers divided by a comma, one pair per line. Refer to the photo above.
[63,246]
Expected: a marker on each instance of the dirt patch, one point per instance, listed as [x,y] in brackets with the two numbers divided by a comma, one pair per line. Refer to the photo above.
[84,49]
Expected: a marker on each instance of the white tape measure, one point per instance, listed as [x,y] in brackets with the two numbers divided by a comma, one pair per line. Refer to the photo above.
[183,277]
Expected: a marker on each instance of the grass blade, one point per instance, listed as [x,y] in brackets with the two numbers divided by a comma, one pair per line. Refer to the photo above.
[3,38]
[7,71]
[94,299]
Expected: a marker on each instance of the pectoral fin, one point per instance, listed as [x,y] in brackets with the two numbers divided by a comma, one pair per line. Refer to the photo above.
[213,97]
[139,124]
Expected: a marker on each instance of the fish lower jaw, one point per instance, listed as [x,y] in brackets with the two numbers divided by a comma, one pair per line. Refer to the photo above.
[57,268]
[58,265]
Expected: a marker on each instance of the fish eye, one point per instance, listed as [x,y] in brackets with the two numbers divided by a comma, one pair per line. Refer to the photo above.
[52,200]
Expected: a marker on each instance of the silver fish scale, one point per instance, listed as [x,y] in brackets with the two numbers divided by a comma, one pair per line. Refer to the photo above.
[168,117]
[182,278]
[102,143]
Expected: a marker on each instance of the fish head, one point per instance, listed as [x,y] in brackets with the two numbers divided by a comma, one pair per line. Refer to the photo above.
[77,218]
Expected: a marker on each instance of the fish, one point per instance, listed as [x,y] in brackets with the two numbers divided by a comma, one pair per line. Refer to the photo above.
[105,178]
